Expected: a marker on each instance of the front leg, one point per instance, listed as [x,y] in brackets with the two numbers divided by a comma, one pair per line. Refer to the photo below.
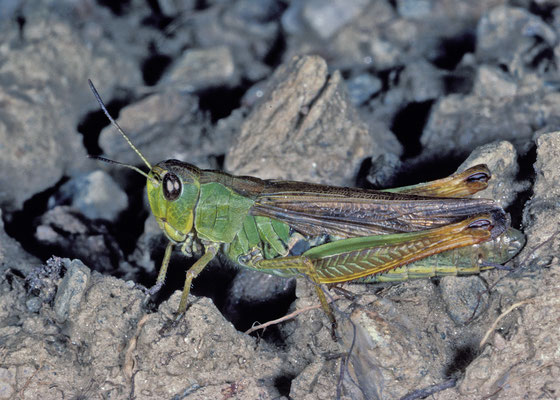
[162,271]
[193,271]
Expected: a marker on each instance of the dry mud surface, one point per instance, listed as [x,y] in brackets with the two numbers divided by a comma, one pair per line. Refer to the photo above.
[355,93]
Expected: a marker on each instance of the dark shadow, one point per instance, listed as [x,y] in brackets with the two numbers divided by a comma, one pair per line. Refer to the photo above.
[221,101]
[117,7]
[451,50]
[154,66]
[93,123]
[21,225]
[464,355]
[408,125]
[283,384]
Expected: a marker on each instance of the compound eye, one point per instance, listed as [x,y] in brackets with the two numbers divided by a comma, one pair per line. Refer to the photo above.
[171,186]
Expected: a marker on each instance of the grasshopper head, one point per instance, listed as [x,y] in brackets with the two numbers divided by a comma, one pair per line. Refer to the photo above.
[173,188]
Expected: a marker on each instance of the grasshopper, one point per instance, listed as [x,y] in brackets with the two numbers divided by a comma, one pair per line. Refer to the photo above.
[329,234]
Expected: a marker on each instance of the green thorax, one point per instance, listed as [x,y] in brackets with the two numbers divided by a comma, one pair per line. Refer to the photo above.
[182,196]
[220,213]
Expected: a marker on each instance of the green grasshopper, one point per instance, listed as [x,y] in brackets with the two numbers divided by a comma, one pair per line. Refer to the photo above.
[330,234]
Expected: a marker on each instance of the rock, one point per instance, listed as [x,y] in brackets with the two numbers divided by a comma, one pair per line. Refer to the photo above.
[152,239]
[90,240]
[465,298]
[422,81]
[95,194]
[362,87]
[363,42]
[382,171]
[257,297]
[47,62]
[540,216]
[507,35]
[9,8]
[247,27]
[162,126]
[200,69]
[319,374]
[173,7]
[457,124]
[229,357]
[326,18]
[294,131]
[483,77]
[414,8]
[250,286]
[42,281]
[490,82]
[533,318]
[526,330]
[95,335]
[71,289]
[386,344]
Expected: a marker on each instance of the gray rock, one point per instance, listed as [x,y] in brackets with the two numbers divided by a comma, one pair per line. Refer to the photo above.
[361,42]
[382,170]
[151,239]
[422,81]
[96,195]
[491,82]
[457,123]
[34,304]
[42,282]
[414,8]
[304,128]
[384,54]
[8,8]
[162,126]
[292,23]
[541,213]
[247,27]
[465,298]
[200,69]
[362,87]
[175,7]
[323,19]
[390,342]
[326,17]
[526,329]
[254,94]
[507,35]
[43,82]
[71,290]
[403,342]
[89,240]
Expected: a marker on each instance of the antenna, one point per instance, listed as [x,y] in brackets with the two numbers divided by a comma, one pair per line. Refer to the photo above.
[119,163]
[116,125]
